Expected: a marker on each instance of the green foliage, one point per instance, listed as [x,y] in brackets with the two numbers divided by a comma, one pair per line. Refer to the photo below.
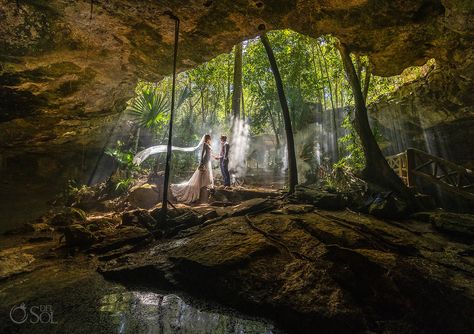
[150,107]
[123,156]
[123,185]
[354,157]
[123,179]
[314,79]
[80,214]
[76,190]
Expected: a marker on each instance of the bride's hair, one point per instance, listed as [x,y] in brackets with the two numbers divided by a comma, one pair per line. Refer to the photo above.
[207,137]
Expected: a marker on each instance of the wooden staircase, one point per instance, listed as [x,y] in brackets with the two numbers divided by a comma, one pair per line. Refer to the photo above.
[417,165]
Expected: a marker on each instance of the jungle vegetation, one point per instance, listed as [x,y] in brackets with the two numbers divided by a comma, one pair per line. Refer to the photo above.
[315,84]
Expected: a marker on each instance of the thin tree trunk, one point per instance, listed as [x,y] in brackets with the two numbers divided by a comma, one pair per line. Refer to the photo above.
[237,92]
[367,82]
[313,58]
[324,104]
[358,66]
[243,106]
[227,97]
[333,115]
[202,108]
[137,140]
[270,113]
[376,169]
[292,169]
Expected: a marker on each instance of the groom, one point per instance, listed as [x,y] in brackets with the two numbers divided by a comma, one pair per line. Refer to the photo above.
[224,161]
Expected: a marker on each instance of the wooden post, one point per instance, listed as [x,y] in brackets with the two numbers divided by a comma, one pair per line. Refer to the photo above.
[410,153]
[166,182]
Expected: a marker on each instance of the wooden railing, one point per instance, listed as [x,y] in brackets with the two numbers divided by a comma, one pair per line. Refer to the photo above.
[415,164]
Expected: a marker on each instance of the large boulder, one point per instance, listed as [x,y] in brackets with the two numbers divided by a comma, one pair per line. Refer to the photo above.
[319,198]
[454,223]
[141,218]
[144,196]
[78,236]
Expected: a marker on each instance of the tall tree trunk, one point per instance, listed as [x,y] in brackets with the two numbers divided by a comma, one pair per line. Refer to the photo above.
[237,92]
[376,169]
[333,115]
[292,169]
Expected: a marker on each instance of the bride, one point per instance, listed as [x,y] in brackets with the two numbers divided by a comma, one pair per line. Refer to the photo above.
[190,190]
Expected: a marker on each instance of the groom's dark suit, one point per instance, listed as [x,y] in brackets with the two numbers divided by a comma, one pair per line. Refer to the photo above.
[224,163]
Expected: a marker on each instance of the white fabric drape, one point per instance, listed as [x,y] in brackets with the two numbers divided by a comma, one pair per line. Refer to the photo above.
[143,155]
[190,190]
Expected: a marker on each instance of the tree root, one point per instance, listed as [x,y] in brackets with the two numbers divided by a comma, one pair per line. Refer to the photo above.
[275,240]
[378,242]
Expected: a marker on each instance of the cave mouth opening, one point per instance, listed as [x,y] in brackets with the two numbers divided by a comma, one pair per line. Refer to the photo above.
[316,88]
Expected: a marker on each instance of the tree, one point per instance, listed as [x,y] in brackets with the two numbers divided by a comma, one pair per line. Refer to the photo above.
[333,107]
[292,169]
[237,83]
[376,168]
[149,110]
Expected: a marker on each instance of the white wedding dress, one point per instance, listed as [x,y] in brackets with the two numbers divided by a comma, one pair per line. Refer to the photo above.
[189,191]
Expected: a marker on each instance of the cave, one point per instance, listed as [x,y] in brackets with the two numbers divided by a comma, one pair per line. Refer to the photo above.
[92,241]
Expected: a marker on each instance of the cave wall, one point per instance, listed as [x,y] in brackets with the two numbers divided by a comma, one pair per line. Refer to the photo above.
[66,72]
[434,114]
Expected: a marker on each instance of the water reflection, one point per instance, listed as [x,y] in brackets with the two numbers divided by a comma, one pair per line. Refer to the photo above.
[145,312]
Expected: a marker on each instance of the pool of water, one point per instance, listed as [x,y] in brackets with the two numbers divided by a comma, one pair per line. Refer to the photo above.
[148,312]
[69,297]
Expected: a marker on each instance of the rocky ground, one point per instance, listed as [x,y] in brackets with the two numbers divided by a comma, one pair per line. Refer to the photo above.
[286,259]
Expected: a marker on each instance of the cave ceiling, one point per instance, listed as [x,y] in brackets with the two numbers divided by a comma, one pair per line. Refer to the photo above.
[65,75]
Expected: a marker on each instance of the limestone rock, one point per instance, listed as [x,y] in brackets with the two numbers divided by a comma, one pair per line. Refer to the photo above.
[338,271]
[78,236]
[251,205]
[297,208]
[320,198]
[145,196]
[117,238]
[388,207]
[141,218]
[449,222]
[94,224]
[68,216]
[14,261]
